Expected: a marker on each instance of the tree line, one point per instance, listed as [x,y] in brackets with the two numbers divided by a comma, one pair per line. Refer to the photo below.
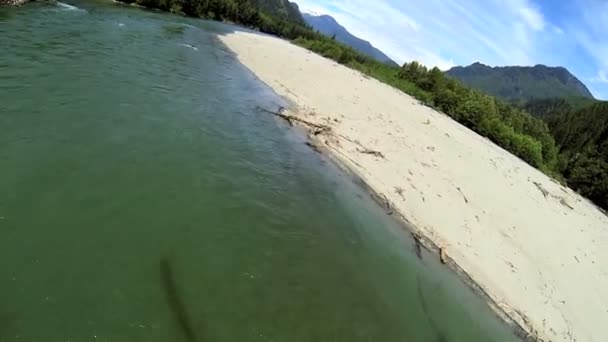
[579,157]
[279,17]
[581,131]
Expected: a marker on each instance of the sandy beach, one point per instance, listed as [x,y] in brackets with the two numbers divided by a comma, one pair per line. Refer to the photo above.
[536,248]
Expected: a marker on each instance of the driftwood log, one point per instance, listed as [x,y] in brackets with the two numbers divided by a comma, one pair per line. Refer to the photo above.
[291,119]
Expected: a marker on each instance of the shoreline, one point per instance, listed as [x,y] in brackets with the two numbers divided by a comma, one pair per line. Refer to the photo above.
[415,234]
[516,277]
[417,238]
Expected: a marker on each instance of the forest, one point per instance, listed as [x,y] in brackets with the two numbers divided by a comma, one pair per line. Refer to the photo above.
[564,141]
[581,131]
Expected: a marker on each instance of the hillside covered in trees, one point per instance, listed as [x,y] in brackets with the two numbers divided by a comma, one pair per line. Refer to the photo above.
[279,8]
[580,156]
[581,131]
[520,84]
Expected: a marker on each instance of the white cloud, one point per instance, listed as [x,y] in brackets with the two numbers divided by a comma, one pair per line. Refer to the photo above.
[441,33]
[533,18]
[558,30]
[601,77]
[589,32]
[311,8]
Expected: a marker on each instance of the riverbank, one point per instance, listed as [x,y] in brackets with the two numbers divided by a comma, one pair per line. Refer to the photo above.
[13,2]
[533,246]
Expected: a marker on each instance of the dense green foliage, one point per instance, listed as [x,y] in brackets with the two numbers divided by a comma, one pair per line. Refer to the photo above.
[511,128]
[520,84]
[582,132]
[279,17]
[580,129]
[279,8]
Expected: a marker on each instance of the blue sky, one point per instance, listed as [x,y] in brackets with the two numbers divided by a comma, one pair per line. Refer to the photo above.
[445,33]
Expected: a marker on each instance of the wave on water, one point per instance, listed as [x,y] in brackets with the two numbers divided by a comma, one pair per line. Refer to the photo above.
[189,46]
[68,7]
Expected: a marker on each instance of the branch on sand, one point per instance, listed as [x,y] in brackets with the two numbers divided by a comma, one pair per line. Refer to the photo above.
[541,189]
[291,119]
[563,202]
[546,194]
[318,129]
[371,152]
[466,200]
[443,255]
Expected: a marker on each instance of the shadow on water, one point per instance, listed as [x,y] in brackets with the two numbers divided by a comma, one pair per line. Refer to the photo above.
[3,325]
[6,13]
[6,322]
[440,335]
[174,300]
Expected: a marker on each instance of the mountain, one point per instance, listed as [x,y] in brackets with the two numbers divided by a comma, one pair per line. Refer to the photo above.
[520,84]
[328,26]
[283,9]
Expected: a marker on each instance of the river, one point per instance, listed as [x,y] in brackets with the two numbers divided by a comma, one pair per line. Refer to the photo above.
[145,196]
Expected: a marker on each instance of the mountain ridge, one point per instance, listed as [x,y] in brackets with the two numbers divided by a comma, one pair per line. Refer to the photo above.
[521,83]
[329,26]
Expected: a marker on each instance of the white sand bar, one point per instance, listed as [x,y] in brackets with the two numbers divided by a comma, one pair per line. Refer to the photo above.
[538,249]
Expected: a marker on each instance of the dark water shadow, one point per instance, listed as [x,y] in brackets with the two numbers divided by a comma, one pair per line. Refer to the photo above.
[434,327]
[7,13]
[175,301]
[6,323]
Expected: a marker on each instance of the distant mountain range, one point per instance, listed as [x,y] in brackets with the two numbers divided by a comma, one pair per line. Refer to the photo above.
[328,26]
[520,84]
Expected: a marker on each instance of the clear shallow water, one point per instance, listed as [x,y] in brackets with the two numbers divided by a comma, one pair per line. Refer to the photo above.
[143,197]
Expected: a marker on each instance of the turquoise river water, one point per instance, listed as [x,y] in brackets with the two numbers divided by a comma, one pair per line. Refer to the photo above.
[144,196]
